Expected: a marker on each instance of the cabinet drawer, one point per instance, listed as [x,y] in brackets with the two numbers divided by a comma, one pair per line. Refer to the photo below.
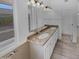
[47,52]
[50,45]
[52,40]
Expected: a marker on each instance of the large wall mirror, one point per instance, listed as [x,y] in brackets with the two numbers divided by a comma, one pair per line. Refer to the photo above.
[34,16]
[6,21]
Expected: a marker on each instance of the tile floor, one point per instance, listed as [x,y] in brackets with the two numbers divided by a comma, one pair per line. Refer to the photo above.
[65,49]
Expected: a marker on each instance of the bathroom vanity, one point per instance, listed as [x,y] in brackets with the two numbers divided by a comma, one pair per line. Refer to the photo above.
[42,45]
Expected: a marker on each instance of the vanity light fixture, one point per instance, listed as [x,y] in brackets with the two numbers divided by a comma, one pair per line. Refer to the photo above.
[39,4]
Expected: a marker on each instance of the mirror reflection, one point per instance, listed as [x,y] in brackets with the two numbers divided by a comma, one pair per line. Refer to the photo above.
[6,21]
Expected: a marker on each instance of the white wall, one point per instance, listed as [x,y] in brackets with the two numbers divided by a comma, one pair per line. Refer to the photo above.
[21,20]
[64,13]
[67,10]
[21,23]
[52,18]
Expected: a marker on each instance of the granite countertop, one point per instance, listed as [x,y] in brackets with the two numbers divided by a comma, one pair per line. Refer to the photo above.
[34,38]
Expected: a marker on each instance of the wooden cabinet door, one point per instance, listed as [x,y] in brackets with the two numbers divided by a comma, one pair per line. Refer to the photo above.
[47,53]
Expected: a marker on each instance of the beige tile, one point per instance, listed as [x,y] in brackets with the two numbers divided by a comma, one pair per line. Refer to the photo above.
[65,49]
[58,56]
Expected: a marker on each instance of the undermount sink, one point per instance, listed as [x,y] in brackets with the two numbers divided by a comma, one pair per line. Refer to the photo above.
[43,35]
